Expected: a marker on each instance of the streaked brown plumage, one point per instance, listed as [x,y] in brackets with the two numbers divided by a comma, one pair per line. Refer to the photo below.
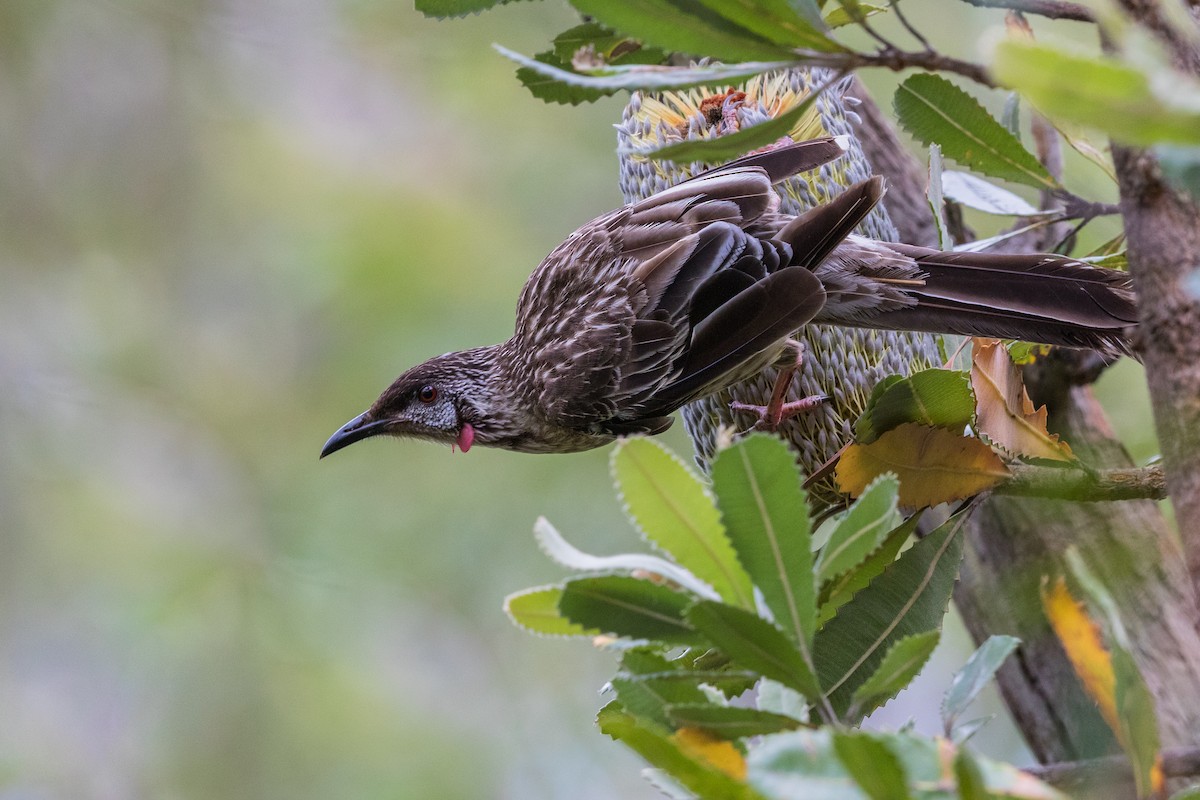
[672,298]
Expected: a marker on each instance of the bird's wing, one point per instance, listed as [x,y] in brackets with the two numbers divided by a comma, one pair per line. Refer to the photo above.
[669,293]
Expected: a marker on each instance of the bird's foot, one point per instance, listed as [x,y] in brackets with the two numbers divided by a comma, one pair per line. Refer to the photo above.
[772,415]
[769,419]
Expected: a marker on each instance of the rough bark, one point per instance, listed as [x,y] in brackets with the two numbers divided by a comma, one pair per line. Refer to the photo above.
[1163,237]
[1015,541]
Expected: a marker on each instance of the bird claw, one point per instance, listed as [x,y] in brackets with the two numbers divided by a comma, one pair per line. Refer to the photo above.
[769,419]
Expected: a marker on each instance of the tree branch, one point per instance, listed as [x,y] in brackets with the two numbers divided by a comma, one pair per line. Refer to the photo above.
[1053,9]
[1177,762]
[1147,483]
[896,60]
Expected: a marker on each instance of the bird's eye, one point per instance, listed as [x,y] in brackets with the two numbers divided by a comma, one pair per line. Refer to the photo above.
[428,393]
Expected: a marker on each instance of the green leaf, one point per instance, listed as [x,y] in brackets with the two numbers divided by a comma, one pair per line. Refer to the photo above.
[562,552]
[933,196]
[840,16]
[1117,98]
[937,397]
[671,508]
[608,45]
[969,681]
[1190,793]
[841,590]
[861,531]
[648,700]
[969,778]
[800,764]
[933,109]
[754,643]
[552,90]
[805,764]
[442,9]
[909,597]
[688,29]
[729,722]
[873,766]
[627,607]
[642,76]
[765,511]
[777,21]
[719,149]
[1138,730]
[536,610]
[662,751]
[898,668]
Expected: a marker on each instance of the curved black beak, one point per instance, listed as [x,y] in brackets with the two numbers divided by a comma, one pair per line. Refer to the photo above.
[353,431]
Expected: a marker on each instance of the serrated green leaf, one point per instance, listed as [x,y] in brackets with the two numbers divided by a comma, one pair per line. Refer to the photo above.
[657,747]
[671,508]
[648,700]
[627,607]
[536,610]
[775,697]
[719,149]
[1190,793]
[1138,720]
[551,90]
[839,16]
[443,9]
[969,681]
[873,766]
[647,683]
[909,597]
[933,109]
[861,531]
[1103,93]
[805,764]
[612,47]
[688,29]
[754,643]
[765,511]
[563,552]
[632,77]
[903,661]
[777,21]
[729,722]
[800,764]
[969,778]
[940,398]
[841,590]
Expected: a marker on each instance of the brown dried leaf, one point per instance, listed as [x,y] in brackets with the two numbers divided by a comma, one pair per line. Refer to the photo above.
[1004,412]
[934,465]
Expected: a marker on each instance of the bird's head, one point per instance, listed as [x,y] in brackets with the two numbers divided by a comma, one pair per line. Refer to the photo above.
[440,400]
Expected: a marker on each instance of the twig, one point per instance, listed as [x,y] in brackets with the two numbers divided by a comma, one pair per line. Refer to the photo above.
[1146,483]
[916,34]
[897,60]
[1053,9]
[1177,762]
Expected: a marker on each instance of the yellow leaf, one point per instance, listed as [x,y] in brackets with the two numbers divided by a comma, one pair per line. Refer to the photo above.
[934,465]
[1004,412]
[1080,637]
[703,746]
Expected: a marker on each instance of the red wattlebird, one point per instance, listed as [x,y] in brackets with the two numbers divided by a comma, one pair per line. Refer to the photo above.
[669,299]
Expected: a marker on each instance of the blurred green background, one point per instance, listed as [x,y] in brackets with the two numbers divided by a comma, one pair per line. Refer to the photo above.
[224,227]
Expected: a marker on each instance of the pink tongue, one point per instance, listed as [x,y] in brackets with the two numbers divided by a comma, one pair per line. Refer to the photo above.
[466,437]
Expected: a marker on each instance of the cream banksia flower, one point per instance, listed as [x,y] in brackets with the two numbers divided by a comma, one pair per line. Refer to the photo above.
[842,363]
